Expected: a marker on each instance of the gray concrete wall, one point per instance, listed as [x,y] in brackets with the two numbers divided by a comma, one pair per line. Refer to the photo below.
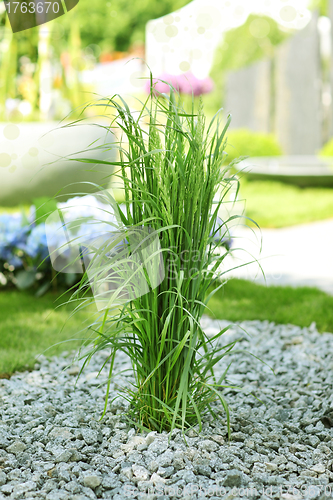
[248,97]
[284,95]
[330,124]
[298,105]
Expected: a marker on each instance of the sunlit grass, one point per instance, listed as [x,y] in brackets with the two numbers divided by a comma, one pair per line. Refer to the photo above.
[271,204]
[30,326]
[274,204]
[11,210]
[241,300]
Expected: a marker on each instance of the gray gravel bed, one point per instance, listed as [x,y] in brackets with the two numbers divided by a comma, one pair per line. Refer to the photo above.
[53,446]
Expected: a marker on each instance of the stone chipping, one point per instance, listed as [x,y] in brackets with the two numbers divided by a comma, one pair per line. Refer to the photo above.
[54,446]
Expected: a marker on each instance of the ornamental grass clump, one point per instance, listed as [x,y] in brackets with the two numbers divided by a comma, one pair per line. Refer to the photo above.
[174,185]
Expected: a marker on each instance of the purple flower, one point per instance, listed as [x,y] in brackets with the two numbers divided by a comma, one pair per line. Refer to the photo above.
[161,84]
[190,84]
[185,83]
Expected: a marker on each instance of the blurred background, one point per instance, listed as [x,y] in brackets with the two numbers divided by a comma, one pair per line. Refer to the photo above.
[267,62]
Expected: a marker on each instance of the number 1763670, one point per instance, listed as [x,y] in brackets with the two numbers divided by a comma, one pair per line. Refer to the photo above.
[32,7]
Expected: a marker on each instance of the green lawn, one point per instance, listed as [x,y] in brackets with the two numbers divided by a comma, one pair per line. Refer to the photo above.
[30,326]
[274,204]
[242,300]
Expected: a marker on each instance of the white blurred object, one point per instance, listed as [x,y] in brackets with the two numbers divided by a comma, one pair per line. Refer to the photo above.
[25,108]
[75,223]
[12,104]
[186,39]
[295,256]
[89,231]
[42,159]
[324,28]
[117,77]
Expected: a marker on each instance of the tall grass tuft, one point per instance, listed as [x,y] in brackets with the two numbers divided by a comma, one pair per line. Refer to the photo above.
[171,165]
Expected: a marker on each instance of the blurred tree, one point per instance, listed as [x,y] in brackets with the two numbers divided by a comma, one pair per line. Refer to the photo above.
[321,5]
[252,41]
[8,66]
[117,24]
[110,25]
[242,46]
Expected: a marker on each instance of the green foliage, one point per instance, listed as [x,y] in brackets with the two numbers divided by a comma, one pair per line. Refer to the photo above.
[171,170]
[321,5]
[327,149]
[242,46]
[244,142]
[117,24]
[107,25]
[25,279]
[252,41]
[44,206]
[114,25]
[27,41]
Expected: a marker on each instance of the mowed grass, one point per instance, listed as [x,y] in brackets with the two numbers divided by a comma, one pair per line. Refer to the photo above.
[240,300]
[274,204]
[270,204]
[29,326]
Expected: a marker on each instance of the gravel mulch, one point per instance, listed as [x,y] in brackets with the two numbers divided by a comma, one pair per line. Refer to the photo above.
[53,446]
